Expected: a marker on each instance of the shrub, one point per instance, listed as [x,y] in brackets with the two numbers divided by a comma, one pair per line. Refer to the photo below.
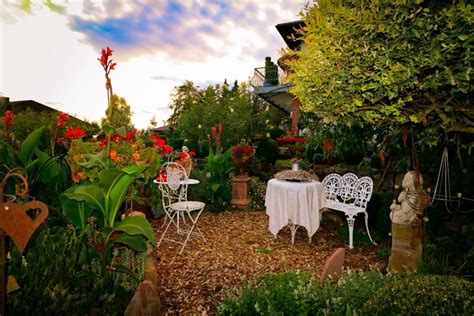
[276,132]
[379,210]
[283,294]
[423,295]
[57,276]
[257,190]
[367,293]
[267,151]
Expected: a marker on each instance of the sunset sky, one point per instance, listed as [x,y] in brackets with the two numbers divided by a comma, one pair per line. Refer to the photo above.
[49,49]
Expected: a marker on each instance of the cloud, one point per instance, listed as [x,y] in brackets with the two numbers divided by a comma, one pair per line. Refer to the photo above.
[183,29]
[167,78]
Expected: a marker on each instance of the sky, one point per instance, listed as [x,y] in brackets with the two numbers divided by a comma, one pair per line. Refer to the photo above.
[49,49]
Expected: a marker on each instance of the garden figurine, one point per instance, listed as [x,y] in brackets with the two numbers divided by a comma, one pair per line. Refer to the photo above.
[405,212]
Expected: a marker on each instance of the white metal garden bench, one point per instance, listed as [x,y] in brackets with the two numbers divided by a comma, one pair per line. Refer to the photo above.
[349,194]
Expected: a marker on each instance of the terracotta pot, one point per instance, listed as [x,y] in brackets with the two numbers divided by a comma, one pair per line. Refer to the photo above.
[243,162]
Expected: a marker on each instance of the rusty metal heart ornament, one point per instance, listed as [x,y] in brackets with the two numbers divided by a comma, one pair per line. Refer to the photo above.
[17,224]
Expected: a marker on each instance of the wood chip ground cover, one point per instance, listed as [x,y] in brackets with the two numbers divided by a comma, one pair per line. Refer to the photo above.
[240,248]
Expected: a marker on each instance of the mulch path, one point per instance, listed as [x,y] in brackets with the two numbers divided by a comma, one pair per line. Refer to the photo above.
[240,248]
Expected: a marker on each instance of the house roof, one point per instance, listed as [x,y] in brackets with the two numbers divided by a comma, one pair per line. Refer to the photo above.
[289,28]
[23,105]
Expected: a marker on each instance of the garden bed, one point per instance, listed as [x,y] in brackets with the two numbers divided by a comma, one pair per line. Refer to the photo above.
[240,247]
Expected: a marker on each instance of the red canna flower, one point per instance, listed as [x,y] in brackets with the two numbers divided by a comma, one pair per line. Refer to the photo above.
[7,119]
[62,118]
[213,131]
[129,135]
[112,66]
[109,51]
[167,149]
[74,132]
[221,128]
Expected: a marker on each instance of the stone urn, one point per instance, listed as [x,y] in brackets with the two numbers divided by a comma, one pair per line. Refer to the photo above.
[242,156]
[242,162]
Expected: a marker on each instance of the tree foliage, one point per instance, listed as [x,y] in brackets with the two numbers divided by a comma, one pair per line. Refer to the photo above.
[121,114]
[241,113]
[381,61]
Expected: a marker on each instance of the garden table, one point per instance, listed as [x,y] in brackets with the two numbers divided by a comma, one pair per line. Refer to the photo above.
[294,204]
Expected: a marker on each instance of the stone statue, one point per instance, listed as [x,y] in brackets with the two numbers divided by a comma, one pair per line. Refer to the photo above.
[404,213]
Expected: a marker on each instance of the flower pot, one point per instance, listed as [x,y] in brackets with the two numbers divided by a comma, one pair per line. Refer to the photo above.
[242,162]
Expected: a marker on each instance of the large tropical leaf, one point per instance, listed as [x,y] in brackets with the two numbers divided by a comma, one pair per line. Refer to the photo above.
[77,212]
[9,157]
[135,169]
[136,225]
[135,242]
[30,143]
[92,194]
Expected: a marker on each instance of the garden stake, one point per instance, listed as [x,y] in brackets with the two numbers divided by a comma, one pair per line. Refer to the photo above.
[16,223]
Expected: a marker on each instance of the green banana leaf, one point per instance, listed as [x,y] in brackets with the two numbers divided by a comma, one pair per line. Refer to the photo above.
[135,242]
[77,212]
[136,225]
[30,143]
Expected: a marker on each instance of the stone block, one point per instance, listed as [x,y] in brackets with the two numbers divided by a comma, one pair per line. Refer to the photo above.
[404,260]
[333,266]
[145,302]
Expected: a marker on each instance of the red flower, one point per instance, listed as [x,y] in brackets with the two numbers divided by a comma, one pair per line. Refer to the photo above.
[160,142]
[60,140]
[247,150]
[167,149]
[214,132]
[183,156]
[221,128]
[192,154]
[9,115]
[74,132]
[129,135]
[112,66]
[109,51]
[62,118]
[103,59]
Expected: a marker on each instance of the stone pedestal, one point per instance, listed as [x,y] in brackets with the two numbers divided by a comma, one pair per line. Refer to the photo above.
[240,191]
[406,248]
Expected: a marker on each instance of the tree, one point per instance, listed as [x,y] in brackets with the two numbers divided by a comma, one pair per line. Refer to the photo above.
[120,114]
[182,98]
[384,61]
[241,113]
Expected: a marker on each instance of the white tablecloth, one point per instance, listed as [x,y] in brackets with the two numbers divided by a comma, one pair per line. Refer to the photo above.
[294,202]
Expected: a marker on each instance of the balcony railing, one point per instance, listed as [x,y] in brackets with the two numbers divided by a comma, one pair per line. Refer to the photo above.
[268,76]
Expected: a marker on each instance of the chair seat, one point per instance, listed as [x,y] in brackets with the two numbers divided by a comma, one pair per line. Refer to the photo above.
[187,206]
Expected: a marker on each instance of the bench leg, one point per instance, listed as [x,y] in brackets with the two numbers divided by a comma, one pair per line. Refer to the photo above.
[367,228]
[350,222]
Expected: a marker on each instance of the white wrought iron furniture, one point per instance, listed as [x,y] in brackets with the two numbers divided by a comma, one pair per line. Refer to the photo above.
[349,194]
[176,205]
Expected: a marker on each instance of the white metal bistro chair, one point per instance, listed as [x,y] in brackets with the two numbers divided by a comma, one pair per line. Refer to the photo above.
[176,205]
[349,194]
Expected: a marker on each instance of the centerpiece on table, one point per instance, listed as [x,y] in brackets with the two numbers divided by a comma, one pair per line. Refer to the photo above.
[242,156]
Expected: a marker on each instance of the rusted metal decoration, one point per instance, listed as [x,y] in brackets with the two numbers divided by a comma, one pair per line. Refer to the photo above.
[19,222]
